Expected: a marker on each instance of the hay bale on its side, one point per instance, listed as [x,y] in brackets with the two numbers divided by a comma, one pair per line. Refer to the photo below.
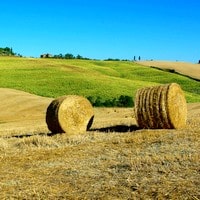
[161,107]
[69,114]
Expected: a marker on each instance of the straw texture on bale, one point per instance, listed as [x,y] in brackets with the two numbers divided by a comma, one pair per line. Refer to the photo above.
[161,107]
[69,114]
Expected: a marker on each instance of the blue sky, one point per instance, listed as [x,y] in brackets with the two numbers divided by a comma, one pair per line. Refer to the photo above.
[100,29]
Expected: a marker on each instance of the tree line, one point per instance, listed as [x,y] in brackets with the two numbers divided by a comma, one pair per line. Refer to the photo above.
[64,56]
[71,56]
[7,51]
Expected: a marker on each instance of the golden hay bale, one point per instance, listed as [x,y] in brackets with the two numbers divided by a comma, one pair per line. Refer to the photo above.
[69,114]
[161,107]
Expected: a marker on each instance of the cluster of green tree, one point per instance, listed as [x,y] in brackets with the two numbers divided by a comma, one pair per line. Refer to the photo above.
[64,56]
[122,101]
[115,59]
[70,56]
[6,51]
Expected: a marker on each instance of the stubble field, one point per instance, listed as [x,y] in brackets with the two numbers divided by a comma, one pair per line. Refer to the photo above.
[114,160]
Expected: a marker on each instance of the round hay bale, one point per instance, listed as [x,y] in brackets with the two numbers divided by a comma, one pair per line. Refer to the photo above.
[69,114]
[161,107]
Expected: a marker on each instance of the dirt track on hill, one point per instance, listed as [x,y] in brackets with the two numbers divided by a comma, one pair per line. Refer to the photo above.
[24,113]
[188,69]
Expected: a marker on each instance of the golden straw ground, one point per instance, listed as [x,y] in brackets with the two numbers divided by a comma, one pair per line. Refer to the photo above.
[160,107]
[71,114]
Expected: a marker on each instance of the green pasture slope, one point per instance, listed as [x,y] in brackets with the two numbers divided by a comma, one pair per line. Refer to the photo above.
[105,79]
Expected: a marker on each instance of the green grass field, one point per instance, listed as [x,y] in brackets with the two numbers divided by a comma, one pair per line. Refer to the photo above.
[107,79]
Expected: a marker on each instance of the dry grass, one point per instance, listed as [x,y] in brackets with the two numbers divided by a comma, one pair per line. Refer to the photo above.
[162,106]
[184,68]
[114,160]
[134,165]
[69,114]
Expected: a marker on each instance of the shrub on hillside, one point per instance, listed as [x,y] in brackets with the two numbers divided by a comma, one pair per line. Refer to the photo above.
[125,101]
[122,101]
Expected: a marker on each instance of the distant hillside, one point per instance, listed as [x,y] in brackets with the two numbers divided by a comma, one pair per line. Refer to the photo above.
[102,82]
[187,69]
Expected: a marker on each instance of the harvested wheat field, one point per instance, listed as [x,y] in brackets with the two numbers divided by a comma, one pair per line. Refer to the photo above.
[113,160]
[184,68]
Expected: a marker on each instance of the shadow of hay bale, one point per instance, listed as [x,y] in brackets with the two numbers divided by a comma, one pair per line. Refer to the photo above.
[117,129]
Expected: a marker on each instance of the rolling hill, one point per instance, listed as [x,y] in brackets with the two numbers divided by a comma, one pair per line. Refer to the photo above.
[90,78]
[114,159]
[184,68]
